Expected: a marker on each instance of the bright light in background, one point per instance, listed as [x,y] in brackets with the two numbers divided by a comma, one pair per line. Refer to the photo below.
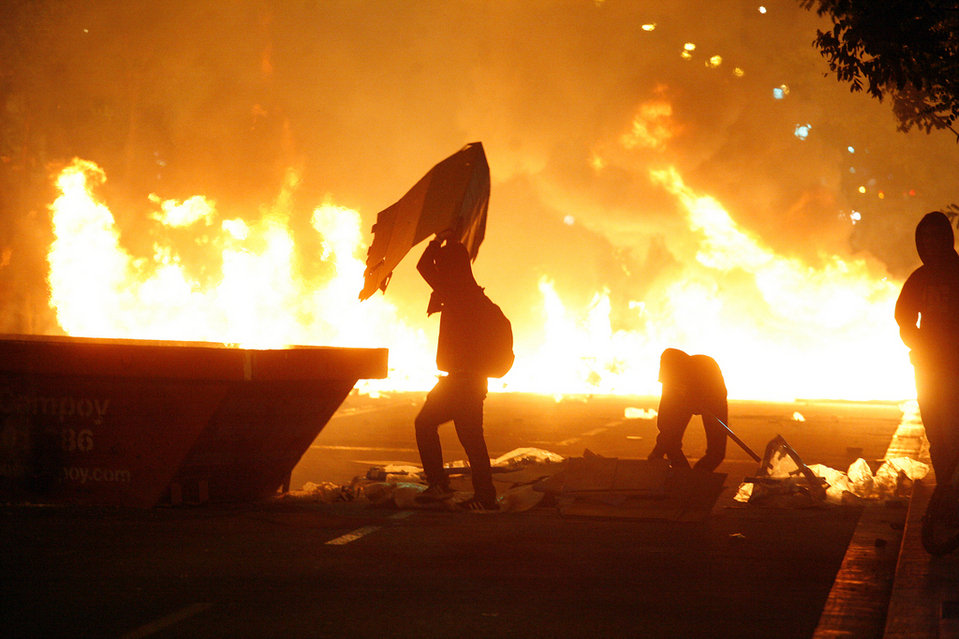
[839,311]
[571,173]
[802,131]
[632,412]
[652,126]
[237,229]
[259,300]
[770,321]
[780,92]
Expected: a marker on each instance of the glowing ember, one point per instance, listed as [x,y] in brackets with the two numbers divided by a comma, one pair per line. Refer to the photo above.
[779,328]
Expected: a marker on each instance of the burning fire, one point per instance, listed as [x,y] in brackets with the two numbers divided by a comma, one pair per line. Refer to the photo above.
[779,328]
[256,298]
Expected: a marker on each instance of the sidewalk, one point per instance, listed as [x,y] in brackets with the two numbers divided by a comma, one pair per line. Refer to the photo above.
[925,594]
[859,597]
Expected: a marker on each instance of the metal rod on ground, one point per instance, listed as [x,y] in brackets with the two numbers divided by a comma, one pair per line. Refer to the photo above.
[733,436]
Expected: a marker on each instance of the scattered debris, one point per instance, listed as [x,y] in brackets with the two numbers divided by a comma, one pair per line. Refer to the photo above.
[596,486]
[783,480]
[632,412]
[393,472]
[397,485]
[525,456]
[327,492]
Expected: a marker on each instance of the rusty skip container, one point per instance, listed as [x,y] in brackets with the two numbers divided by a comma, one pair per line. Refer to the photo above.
[140,423]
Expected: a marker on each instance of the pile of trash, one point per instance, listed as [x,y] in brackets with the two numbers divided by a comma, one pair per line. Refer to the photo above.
[593,485]
[515,475]
[784,480]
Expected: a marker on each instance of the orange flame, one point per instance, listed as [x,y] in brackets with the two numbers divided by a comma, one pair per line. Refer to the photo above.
[260,299]
[780,329]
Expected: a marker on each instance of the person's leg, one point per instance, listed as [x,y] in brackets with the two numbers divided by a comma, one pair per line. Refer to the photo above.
[468,421]
[470,432]
[435,412]
[659,448]
[671,421]
[936,394]
[657,452]
[715,443]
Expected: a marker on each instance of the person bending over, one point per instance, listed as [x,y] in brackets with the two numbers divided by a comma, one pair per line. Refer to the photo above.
[692,385]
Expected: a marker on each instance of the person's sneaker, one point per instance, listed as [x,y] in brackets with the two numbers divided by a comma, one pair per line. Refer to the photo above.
[476,505]
[434,493]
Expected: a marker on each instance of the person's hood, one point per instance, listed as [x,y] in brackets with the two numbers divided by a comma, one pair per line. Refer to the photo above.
[935,239]
[671,365]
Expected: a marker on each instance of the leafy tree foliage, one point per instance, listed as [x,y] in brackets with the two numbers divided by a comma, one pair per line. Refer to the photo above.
[907,50]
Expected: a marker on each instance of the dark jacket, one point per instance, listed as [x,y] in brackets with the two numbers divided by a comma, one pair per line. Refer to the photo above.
[695,379]
[458,298]
[927,310]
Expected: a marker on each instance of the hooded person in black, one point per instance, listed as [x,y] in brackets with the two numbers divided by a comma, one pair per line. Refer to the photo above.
[692,385]
[459,395]
[927,312]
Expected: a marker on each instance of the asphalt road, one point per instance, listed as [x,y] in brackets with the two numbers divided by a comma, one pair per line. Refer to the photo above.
[367,432]
[291,568]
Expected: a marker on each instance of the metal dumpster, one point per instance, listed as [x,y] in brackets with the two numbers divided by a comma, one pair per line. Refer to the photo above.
[140,423]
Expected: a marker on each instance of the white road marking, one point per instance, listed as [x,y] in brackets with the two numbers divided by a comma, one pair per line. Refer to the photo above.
[163,622]
[352,536]
[589,433]
[359,533]
[365,448]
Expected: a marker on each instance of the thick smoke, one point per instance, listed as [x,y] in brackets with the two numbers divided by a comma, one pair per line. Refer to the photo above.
[574,102]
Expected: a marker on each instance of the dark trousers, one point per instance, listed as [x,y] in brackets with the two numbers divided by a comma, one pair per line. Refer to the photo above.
[938,395]
[674,416]
[458,399]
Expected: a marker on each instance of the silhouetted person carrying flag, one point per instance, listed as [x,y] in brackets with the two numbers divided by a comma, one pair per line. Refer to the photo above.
[692,385]
[471,340]
[927,312]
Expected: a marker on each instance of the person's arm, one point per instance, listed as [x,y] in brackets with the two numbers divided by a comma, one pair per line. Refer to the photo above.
[907,313]
[427,264]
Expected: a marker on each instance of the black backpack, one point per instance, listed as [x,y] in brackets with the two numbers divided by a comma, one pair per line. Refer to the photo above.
[494,337]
